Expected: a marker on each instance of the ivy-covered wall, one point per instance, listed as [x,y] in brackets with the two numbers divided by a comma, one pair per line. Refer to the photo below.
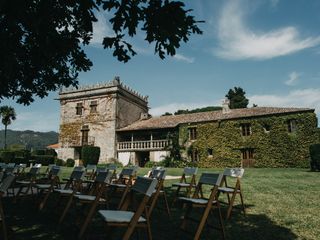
[273,148]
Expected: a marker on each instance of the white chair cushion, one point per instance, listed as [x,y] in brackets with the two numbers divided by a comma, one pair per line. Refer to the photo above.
[227,190]
[64,191]
[23,182]
[118,216]
[195,200]
[118,185]
[43,186]
[181,184]
[88,197]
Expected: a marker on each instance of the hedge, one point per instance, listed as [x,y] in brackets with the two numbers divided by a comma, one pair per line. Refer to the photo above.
[90,155]
[315,157]
[45,160]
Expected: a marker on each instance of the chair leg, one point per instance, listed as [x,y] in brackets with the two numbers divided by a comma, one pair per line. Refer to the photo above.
[185,217]
[242,203]
[175,196]
[202,222]
[221,221]
[231,205]
[166,203]
[44,201]
[87,221]
[66,209]
[4,227]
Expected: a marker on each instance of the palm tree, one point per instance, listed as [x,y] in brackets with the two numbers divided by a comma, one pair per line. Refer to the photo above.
[7,114]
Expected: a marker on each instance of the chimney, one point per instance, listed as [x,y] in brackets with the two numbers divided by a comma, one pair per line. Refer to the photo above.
[144,116]
[225,106]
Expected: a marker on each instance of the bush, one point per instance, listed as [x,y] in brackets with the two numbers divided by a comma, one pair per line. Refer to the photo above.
[70,162]
[7,156]
[315,157]
[59,162]
[90,155]
[151,164]
[39,152]
[45,160]
[115,161]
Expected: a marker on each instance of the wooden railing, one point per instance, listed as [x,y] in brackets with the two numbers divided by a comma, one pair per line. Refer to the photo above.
[143,145]
[79,143]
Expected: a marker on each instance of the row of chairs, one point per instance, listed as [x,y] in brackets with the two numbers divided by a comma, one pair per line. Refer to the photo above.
[127,184]
[219,185]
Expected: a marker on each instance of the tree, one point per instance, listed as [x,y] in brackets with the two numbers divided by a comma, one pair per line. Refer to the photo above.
[237,98]
[7,114]
[42,41]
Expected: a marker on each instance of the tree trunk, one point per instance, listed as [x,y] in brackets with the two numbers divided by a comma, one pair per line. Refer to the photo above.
[5,137]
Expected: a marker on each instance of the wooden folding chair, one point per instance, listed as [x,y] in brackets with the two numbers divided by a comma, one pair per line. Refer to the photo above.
[25,185]
[123,183]
[160,175]
[90,171]
[96,191]
[236,173]
[5,184]
[46,186]
[183,183]
[208,204]
[133,219]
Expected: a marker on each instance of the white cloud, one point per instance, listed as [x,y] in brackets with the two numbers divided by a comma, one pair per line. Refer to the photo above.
[180,57]
[293,79]
[309,98]
[100,29]
[237,41]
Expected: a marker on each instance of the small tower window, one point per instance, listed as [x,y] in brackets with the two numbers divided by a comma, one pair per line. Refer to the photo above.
[292,125]
[79,109]
[93,106]
[210,152]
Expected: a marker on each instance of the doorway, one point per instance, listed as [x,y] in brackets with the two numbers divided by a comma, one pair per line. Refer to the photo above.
[142,158]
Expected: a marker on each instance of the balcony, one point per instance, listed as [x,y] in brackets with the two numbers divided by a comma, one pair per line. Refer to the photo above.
[143,145]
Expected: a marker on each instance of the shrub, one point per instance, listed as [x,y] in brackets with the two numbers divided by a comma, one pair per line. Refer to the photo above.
[45,160]
[151,164]
[315,157]
[7,156]
[39,152]
[70,162]
[50,152]
[90,155]
[59,162]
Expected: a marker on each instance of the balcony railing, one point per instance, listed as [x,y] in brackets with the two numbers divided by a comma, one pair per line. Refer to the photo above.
[143,145]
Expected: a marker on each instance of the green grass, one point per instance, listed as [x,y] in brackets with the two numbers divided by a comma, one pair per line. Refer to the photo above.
[281,204]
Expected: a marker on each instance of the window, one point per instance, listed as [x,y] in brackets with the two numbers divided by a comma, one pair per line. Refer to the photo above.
[79,109]
[85,135]
[210,152]
[246,129]
[247,153]
[192,133]
[93,106]
[292,125]
[194,155]
[266,128]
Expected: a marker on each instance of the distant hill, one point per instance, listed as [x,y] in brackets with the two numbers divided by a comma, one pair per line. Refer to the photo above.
[29,139]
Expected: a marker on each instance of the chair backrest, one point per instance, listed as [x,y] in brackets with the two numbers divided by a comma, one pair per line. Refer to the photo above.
[213,179]
[104,177]
[127,172]
[78,168]
[91,167]
[11,165]
[234,172]
[34,170]
[159,174]
[112,167]
[77,175]
[9,169]
[101,169]
[145,185]
[54,171]
[190,170]
[38,165]
[5,184]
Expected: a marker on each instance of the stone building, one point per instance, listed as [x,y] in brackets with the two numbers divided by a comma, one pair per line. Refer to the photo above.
[115,118]
[90,115]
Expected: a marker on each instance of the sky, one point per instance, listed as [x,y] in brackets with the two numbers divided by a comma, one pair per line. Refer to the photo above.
[270,48]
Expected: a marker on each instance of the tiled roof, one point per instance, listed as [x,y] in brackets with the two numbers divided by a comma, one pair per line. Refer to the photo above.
[54,146]
[174,120]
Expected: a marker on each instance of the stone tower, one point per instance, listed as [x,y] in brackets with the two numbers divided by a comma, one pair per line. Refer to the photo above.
[90,115]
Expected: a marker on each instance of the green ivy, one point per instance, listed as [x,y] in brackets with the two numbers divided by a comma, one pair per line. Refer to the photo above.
[275,148]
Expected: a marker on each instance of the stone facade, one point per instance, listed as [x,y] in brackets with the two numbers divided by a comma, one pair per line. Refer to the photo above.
[90,115]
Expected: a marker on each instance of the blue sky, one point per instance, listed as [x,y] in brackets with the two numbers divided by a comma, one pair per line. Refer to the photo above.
[270,48]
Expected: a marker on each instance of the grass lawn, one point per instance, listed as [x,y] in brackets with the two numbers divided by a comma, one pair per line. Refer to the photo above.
[281,204]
